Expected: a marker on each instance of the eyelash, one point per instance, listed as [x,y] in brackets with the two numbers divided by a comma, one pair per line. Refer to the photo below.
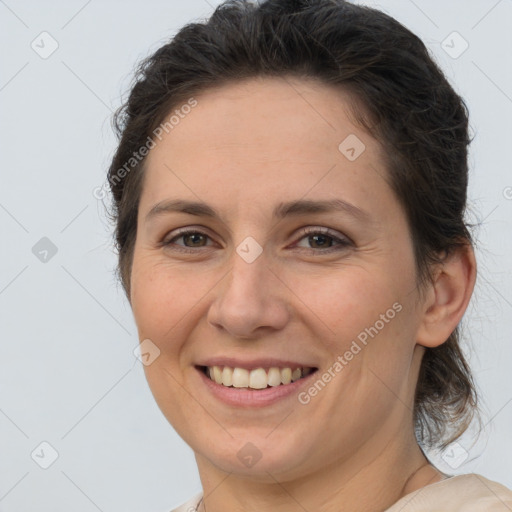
[341,243]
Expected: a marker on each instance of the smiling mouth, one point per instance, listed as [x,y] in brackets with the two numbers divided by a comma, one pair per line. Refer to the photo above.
[257,378]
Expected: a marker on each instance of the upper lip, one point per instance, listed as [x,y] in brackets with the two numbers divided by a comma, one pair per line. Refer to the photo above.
[260,362]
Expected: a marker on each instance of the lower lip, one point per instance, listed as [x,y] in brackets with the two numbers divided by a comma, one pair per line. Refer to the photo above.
[245,397]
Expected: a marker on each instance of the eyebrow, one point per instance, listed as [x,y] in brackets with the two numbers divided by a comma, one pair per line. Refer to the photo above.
[282,210]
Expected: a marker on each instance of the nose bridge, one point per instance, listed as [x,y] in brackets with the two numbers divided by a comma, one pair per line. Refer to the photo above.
[249,261]
[249,297]
[247,279]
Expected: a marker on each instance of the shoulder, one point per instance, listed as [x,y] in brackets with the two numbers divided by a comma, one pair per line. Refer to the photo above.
[462,493]
[190,505]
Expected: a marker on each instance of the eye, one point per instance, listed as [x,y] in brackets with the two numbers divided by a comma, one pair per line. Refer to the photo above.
[192,239]
[320,240]
[323,239]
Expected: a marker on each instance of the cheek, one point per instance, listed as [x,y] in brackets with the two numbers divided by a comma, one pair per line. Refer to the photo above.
[163,307]
[346,301]
[366,316]
[158,299]
[167,303]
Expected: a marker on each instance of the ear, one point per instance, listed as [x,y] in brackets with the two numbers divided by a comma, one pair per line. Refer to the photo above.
[447,297]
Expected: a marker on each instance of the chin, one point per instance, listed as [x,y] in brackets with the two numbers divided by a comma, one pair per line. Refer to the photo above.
[257,458]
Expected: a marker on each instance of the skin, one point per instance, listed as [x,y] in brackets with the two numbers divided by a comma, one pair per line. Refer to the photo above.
[243,149]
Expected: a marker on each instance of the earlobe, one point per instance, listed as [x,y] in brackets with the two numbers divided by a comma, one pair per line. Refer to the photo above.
[448,297]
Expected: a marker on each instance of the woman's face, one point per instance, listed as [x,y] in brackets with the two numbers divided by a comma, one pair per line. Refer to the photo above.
[268,278]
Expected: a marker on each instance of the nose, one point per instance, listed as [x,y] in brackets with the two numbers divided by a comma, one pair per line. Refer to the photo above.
[251,301]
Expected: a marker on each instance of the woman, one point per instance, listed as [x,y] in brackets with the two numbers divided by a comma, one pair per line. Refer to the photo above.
[289,195]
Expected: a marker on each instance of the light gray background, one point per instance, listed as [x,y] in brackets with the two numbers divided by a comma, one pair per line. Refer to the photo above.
[68,375]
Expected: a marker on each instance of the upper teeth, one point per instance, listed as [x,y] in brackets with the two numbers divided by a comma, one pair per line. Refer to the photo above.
[258,378]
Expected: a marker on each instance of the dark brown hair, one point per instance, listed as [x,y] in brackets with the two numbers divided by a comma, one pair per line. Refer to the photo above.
[407,104]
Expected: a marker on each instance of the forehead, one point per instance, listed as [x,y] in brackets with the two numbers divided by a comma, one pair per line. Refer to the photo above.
[307,116]
[265,137]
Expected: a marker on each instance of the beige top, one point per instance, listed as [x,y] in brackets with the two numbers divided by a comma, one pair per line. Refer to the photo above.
[462,493]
